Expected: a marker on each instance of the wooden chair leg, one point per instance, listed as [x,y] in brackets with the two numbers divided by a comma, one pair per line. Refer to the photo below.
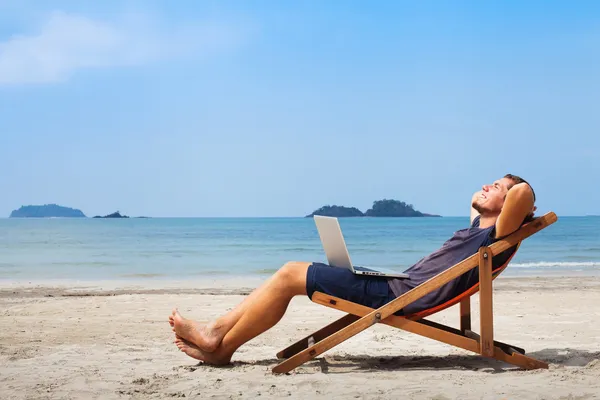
[500,351]
[485,302]
[445,334]
[505,347]
[465,314]
[316,337]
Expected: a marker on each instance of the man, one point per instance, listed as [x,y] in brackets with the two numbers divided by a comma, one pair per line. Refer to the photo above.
[497,210]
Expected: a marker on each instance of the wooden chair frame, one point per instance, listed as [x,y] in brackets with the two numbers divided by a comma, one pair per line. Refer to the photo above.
[359,317]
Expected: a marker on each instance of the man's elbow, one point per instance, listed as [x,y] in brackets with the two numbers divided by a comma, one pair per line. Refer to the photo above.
[521,193]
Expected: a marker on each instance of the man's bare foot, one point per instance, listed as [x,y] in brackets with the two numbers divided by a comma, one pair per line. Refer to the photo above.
[195,352]
[188,348]
[206,337]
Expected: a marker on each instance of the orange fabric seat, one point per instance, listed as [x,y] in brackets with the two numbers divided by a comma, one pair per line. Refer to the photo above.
[468,293]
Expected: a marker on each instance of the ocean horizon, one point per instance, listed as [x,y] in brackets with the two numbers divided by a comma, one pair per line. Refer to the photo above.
[187,247]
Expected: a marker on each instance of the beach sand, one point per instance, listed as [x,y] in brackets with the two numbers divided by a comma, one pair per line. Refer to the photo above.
[111,340]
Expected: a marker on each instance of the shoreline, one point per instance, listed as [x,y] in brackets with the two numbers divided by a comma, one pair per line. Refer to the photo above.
[238,279]
[236,286]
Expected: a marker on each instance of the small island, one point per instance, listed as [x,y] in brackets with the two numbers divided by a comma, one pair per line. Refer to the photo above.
[56,211]
[46,211]
[113,215]
[337,211]
[381,208]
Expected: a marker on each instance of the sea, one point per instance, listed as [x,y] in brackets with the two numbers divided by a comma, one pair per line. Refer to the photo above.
[189,248]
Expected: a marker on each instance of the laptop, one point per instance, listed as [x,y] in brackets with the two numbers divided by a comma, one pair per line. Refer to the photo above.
[337,253]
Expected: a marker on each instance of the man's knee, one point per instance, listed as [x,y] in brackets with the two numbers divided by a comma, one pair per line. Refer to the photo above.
[293,274]
[292,269]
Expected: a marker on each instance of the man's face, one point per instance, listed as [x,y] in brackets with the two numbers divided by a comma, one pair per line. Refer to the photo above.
[491,197]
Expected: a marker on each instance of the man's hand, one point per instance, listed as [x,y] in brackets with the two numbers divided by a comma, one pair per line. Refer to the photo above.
[532,214]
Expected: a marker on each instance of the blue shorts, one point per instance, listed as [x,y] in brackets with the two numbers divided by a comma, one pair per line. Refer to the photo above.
[340,282]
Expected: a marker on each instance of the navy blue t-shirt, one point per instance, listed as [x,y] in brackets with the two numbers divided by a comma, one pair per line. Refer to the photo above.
[461,245]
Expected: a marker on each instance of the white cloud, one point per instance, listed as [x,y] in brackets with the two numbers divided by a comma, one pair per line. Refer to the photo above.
[67,42]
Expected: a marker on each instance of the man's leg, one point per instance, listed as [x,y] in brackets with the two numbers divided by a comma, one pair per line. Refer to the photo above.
[208,337]
[256,314]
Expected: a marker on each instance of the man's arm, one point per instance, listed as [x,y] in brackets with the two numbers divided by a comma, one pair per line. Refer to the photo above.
[517,206]
[474,212]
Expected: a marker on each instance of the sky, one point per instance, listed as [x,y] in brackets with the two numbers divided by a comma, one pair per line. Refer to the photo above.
[274,109]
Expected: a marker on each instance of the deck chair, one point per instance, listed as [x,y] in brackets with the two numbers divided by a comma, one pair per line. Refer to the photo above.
[359,317]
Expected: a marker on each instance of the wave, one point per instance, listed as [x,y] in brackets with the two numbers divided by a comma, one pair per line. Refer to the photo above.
[208,272]
[142,275]
[285,250]
[557,264]
[268,271]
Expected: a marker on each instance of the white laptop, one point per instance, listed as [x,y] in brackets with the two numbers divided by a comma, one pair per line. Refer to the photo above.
[337,253]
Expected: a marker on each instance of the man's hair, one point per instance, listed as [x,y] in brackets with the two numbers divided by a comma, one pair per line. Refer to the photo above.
[516,180]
